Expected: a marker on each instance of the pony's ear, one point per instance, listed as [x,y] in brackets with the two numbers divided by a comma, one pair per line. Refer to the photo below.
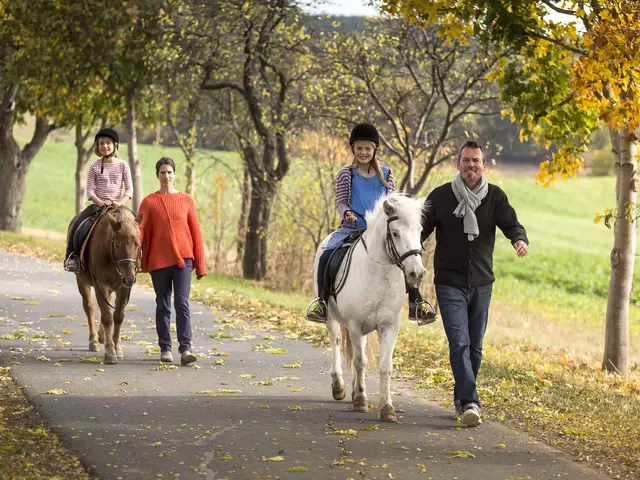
[140,218]
[115,224]
[389,208]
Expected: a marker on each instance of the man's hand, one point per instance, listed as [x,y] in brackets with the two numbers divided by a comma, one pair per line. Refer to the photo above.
[350,216]
[521,248]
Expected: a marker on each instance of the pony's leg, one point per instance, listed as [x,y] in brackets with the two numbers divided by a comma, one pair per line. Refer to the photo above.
[106,320]
[359,394]
[388,337]
[118,317]
[87,305]
[338,388]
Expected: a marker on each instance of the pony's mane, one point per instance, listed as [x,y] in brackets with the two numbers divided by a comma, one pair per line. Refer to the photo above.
[127,219]
[407,208]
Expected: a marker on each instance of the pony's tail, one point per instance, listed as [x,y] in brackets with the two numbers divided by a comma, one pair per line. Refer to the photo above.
[347,349]
[372,350]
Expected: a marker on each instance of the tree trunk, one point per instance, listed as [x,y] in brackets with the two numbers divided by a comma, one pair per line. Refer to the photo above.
[254,261]
[82,158]
[13,174]
[616,349]
[158,133]
[132,142]
[190,150]
[244,209]
[14,163]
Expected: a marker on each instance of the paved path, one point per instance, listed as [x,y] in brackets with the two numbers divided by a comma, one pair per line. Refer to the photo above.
[250,417]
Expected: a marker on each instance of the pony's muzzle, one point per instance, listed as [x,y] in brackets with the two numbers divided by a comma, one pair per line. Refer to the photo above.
[415,275]
[128,280]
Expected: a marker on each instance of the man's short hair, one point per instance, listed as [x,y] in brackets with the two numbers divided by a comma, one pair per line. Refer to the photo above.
[471,144]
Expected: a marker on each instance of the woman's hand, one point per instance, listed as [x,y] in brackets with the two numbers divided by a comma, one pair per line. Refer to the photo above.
[198,277]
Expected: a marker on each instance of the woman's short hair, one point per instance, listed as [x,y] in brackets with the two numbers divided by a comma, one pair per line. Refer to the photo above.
[165,161]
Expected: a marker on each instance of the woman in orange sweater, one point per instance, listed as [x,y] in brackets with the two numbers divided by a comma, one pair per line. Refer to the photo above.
[172,248]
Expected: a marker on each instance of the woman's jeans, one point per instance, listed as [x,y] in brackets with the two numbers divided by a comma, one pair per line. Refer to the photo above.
[464,311]
[163,281]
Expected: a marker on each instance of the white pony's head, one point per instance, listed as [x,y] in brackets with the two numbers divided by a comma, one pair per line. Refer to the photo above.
[398,218]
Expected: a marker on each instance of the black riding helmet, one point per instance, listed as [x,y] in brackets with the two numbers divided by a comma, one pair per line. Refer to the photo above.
[108,132]
[364,131]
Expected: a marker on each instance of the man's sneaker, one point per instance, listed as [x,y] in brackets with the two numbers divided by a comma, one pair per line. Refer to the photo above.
[166,356]
[458,406]
[72,263]
[471,415]
[187,357]
[422,312]
[317,311]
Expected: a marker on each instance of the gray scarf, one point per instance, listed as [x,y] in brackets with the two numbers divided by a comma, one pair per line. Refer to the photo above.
[469,201]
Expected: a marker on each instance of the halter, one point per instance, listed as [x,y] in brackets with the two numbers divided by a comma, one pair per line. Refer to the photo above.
[117,263]
[391,247]
[132,261]
[392,251]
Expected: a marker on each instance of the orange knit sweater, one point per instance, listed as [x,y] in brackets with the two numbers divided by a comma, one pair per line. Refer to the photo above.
[170,232]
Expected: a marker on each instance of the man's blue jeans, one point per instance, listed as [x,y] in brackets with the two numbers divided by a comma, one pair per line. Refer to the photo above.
[465,311]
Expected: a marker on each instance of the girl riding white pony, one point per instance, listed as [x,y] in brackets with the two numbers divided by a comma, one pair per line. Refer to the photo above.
[372,295]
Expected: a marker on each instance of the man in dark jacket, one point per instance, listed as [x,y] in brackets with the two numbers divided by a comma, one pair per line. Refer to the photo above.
[465,214]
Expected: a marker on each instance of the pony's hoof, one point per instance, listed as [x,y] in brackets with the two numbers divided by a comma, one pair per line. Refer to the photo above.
[119,353]
[339,392]
[110,360]
[360,405]
[93,347]
[388,414]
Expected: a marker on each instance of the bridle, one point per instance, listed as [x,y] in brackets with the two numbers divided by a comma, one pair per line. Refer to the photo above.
[392,251]
[125,261]
[117,263]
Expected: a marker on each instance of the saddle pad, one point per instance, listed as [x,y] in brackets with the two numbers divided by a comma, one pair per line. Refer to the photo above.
[339,264]
[82,231]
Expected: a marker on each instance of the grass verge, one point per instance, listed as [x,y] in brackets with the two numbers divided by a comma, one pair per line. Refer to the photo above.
[558,397]
[28,448]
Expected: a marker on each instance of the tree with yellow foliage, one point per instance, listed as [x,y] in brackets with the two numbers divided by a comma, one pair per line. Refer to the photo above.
[569,75]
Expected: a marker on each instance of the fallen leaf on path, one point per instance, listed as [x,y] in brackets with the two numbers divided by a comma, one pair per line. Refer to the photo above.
[273,459]
[55,391]
[461,454]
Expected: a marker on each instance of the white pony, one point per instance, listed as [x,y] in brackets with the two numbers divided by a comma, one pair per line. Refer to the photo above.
[372,296]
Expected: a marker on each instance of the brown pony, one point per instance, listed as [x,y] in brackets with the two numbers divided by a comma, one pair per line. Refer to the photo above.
[111,264]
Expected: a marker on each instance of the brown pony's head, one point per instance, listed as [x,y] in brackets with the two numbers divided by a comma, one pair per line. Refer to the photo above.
[125,244]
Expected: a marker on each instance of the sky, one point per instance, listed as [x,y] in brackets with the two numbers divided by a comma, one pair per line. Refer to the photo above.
[342,7]
[362,8]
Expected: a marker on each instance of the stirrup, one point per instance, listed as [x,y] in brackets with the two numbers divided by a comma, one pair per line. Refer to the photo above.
[418,314]
[317,311]
[72,264]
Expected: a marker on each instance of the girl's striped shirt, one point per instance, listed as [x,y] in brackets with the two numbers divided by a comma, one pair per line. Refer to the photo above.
[109,184]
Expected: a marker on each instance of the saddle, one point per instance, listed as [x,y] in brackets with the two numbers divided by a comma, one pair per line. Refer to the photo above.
[338,265]
[84,232]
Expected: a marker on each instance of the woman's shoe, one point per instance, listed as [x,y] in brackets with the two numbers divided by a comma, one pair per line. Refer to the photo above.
[187,357]
[166,356]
